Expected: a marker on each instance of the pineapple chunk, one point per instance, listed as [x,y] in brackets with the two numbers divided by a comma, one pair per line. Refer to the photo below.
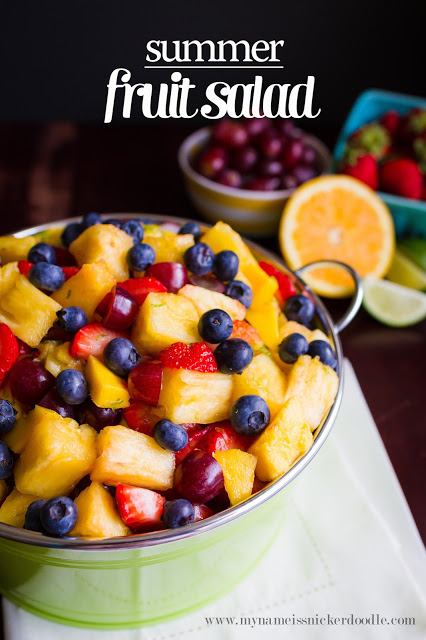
[87,288]
[51,236]
[17,437]
[3,491]
[204,300]
[57,454]
[262,378]
[192,396]
[26,310]
[286,328]
[12,249]
[56,357]
[98,516]
[104,242]
[163,319]
[128,457]
[266,321]
[14,508]
[238,473]
[286,439]
[6,394]
[169,247]
[317,386]
[106,388]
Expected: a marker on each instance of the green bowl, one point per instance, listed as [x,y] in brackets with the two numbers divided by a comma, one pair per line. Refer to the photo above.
[149,578]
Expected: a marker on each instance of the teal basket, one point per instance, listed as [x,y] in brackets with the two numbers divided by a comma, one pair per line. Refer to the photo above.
[409,215]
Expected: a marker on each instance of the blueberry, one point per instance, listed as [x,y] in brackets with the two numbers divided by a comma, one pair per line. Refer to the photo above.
[170,436]
[90,219]
[199,259]
[178,513]
[249,415]
[46,276]
[121,356]
[113,221]
[6,461]
[215,326]
[191,227]
[233,356]
[33,516]
[71,233]
[140,257]
[71,319]
[7,416]
[299,308]
[292,347]
[226,265]
[42,252]
[326,354]
[135,229]
[239,291]
[58,516]
[72,386]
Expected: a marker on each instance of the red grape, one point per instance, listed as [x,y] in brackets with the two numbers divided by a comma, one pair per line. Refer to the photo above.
[289,182]
[303,173]
[201,512]
[230,134]
[270,167]
[263,184]
[30,381]
[97,417]
[285,126]
[230,178]
[199,477]
[172,275]
[309,156]
[244,159]
[293,153]
[53,401]
[145,381]
[270,144]
[64,258]
[122,309]
[256,126]
[212,161]
[207,282]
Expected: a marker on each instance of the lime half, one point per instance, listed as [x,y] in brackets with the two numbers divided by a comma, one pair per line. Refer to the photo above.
[406,272]
[392,304]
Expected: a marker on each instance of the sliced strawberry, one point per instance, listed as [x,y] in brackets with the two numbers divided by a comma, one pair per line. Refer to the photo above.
[9,351]
[245,331]
[140,417]
[70,271]
[285,286]
[145,382]
[195,357]
[223,437]
[140,509]
[194,438]
[201,512]
[24,267]
[92,339]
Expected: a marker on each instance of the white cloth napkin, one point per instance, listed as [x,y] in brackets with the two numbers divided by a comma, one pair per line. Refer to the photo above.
[348,547]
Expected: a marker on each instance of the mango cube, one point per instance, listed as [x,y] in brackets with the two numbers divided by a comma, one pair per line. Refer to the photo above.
[98,515]
[87,288]
[262,378]
[266,320]
[286,439]
[238,472]
[106,388]
[163,319]
[169,247]
[12,249]
[316,385]
[104,242]
[14,508]
[128,457]
[193,396]
[204,300]
[57,454]
[56,357]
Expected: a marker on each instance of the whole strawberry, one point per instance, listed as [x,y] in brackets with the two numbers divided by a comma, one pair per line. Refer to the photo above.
[413,125]
[362,166]
[372,138]
[390,120]
[419,146]
[402,177]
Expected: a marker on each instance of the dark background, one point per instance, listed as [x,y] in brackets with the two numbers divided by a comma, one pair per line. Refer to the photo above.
[57,56]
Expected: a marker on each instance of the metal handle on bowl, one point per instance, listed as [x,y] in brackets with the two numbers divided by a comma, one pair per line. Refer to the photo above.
[356,298]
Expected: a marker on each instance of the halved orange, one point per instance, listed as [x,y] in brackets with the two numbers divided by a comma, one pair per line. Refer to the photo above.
[337,217]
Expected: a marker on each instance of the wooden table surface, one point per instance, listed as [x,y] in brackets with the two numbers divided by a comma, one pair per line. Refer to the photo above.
[56,170]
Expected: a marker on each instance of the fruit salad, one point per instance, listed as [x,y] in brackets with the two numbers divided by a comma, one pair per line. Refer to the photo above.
[151,376]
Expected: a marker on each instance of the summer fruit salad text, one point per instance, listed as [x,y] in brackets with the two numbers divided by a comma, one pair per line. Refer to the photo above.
[259,154]
[151,376]
[390,154]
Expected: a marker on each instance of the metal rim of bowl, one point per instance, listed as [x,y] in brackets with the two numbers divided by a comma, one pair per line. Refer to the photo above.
[201,136]
[224,517]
